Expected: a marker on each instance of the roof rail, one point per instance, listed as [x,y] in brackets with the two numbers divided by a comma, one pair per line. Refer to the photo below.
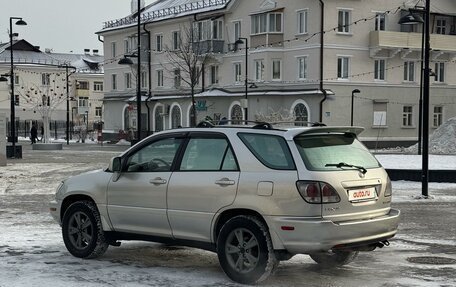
[312,124]
[221,123]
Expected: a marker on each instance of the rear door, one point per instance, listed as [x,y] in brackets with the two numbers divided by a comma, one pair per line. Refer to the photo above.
[340,160]
[205,180]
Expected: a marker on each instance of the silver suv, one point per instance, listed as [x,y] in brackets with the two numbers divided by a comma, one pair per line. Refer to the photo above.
[256,195]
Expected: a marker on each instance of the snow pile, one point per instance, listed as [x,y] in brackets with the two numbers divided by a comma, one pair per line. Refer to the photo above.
[442,141]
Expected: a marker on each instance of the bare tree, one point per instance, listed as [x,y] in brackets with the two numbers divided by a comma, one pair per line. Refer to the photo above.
[45,98]
[188,56]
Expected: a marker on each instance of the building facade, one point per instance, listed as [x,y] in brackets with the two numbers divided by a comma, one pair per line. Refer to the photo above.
[304,61]
[41,83]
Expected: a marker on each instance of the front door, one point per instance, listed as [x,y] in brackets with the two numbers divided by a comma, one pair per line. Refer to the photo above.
[137,199]
[205,181]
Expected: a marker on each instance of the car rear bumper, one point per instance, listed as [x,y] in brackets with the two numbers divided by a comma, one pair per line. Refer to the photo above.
[306,235]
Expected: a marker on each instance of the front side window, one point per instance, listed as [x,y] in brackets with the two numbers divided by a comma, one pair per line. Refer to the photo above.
[155,157]
[270,150]
[407,116]
[318,151]
[344,21]
[208,154]
[342,67]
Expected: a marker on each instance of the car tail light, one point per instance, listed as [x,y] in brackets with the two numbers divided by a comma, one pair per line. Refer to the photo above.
[317,192]
[389,188]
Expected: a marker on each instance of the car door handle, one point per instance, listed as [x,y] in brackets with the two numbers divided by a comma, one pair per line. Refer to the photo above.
[158,180]
[225,181]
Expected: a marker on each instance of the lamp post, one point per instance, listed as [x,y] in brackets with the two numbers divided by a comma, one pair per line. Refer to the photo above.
[246,103]
[87,122]
[411,19]
[355,91]
[19,22]
[66,66]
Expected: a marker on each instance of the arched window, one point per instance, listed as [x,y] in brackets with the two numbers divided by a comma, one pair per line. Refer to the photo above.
[191,114]
[126,118]
[176,117]
[301,115]
[159,118]
[236,115]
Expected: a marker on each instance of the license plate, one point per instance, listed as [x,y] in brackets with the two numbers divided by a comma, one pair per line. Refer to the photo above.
[362,194]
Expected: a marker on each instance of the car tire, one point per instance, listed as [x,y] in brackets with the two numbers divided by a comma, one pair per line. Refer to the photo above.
[245,250]
[331,259]
[82,231]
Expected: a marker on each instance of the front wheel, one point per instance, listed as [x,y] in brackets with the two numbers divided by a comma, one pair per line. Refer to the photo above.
[245,251]
[330,259]
[82,231]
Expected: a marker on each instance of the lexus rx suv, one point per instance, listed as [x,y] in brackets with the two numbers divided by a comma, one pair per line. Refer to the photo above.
[255,195]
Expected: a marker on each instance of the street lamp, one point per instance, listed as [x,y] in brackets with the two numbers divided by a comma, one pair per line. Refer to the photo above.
[355,91]
[19,22]
[66,66]
[246,103]
[409,20]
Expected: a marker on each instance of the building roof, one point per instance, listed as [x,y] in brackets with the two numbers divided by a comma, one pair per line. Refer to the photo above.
[27,54]
[166,9]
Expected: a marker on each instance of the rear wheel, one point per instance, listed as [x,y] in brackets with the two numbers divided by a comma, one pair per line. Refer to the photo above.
[333,258]
[82,231]
[245,251]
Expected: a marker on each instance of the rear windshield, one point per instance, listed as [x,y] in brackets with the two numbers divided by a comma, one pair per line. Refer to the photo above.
[317,151]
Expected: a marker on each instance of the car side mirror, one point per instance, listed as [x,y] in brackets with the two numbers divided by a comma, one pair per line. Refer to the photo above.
[116,164]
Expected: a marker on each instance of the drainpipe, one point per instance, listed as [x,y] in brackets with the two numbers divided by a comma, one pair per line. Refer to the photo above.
[322,42]
[149,64]
[99,39]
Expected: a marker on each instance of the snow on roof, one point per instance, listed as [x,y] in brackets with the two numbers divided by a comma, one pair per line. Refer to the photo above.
[166,9]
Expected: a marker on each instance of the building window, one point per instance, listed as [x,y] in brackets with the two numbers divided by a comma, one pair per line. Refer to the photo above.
[176,117]
[45,79]
[276,69]
[302,68]
[237,73]
[217,30]
[407,116]
[127,46]
[82,85]
[159,119]
[177,78]
[409,71]
[113,49]
[380,109]
[236,115]
[344,21]
[259,70]
[127,80]
[144,80]
[176,40]
[98,112]
[159,78]
[438,116]
[208,30]
[237,30]
[159,42]
[439,72]
[267,23]
[301,115]
[98,86]
[16,79]
[380,22]
[380,68]
[441,26]
[214,75]
[83,102]
[302,22]
[343,67]
[114,82]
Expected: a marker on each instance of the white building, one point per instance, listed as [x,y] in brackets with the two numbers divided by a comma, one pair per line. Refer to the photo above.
[305,59]
[40,87]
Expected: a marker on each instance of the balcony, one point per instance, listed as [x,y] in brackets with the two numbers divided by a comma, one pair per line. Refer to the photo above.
[82,93]
[387,44]
[209,46]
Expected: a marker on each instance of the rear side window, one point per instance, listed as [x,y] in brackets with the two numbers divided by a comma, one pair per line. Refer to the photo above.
[270,150]
[208,154]
[318,151]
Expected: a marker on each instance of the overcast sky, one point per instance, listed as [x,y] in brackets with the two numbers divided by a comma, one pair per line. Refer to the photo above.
[61,25]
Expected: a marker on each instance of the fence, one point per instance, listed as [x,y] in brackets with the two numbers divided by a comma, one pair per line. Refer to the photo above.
[57,129]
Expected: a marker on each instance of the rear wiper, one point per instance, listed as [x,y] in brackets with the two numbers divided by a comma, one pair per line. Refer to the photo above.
[343,164]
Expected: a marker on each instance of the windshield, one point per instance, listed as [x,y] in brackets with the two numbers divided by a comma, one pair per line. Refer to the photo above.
[325,152]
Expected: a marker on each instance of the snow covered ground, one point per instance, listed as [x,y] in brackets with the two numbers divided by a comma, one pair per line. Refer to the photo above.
[32,252]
